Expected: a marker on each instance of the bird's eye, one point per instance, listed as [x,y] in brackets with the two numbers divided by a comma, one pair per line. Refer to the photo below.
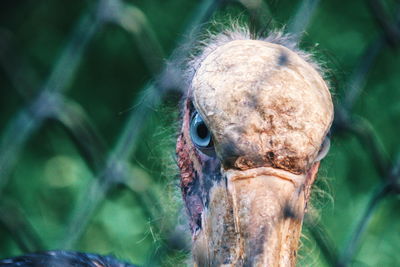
[199,132]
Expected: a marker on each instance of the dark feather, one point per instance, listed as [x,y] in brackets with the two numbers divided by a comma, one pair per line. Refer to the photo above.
[59,258]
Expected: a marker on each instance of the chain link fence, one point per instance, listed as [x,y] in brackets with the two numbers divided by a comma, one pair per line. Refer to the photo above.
[111,171]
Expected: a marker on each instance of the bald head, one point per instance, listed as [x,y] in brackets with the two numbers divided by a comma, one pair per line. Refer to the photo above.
[264,104]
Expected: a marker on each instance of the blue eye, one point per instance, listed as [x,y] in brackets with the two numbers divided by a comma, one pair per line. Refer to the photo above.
[199,132]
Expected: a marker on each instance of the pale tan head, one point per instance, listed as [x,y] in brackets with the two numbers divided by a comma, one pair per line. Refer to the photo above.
[268,111]
[266,100]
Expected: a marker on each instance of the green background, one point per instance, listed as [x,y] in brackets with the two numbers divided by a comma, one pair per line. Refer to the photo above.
[142,220]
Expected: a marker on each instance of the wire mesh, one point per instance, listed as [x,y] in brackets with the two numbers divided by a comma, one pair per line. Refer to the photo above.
[110,167]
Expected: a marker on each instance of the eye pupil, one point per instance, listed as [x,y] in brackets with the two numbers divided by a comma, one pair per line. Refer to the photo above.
[202,130]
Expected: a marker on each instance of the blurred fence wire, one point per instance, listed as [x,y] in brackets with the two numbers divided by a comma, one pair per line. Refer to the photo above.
[109,166]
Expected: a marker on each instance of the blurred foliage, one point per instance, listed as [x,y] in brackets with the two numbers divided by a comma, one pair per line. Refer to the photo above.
[141,218]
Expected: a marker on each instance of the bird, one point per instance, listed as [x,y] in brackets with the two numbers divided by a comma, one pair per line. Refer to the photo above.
[255,120]
[255,125]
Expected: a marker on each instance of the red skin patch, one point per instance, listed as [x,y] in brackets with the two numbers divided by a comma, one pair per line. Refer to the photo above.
[190,167]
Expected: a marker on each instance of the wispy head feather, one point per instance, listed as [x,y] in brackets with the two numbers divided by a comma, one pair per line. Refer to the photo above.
[209,40]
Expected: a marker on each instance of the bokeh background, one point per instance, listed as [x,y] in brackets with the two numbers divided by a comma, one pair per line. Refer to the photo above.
[89,114]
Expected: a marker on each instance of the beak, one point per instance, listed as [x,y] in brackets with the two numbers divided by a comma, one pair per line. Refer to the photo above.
[268,208]
[255,219]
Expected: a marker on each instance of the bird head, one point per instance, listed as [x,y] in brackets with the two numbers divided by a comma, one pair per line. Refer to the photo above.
[254,125]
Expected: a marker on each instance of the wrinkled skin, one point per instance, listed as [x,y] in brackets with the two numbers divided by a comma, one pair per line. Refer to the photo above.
[268,112]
